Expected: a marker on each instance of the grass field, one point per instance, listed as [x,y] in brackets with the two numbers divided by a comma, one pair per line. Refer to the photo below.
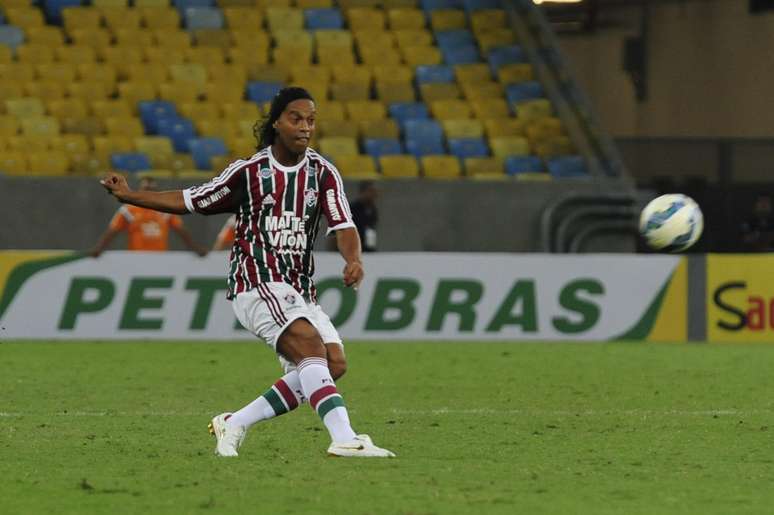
[484,428]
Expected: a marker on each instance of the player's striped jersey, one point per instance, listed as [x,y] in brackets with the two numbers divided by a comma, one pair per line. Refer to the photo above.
[278,210]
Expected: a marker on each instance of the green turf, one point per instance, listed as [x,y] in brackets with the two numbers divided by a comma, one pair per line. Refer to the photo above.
[488,428]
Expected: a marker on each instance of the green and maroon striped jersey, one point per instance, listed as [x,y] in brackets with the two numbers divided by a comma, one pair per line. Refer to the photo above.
[278,210]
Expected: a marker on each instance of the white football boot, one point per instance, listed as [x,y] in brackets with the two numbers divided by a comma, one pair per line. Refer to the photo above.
[361,446]
[228,437]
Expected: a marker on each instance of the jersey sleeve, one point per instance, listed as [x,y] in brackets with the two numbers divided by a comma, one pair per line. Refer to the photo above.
[334,201]
[121,219]
[222,194]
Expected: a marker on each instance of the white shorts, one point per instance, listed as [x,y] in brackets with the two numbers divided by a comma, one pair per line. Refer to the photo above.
[267,310]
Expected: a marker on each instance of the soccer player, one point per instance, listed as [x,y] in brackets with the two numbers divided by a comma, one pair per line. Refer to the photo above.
[146,229]
[278,196]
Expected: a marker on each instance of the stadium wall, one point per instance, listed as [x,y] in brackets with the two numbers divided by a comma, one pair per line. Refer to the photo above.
[415,215]
[709,70]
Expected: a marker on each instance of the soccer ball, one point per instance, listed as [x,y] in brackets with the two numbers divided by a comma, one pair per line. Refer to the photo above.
[671,222]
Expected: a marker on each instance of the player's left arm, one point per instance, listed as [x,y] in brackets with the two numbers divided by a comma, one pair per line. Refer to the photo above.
[348,242]
[165,201]
[339,218]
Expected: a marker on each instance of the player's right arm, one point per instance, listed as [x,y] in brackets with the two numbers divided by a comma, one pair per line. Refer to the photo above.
[166,201]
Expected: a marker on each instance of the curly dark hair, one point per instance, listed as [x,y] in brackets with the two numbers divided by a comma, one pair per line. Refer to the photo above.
[263,129]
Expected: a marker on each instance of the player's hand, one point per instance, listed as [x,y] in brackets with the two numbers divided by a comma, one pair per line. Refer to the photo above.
[115,184]
[353,274]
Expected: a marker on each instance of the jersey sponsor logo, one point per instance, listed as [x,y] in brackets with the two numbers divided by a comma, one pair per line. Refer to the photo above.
[310,197]
[266,173]
[218,195]
[286,233]
[334,210]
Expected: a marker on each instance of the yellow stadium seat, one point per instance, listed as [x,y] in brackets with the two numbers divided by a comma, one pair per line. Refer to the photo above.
[102,5]
[88,164]
[152,72]
[67,108]
[465,128]
[515,73]
[448,19]
[399,166]
[366,19]
[150,3]
[28,144]
[487,20]
[88,126]
[533,176]
[534,109]
[56,72]
[380,56]
[206,56]
[357,167]
[158,149]
[121,17]
[9,126]
[308,73]
[160,17]
[17,72]
[247,56]
[35,54]
[346,91]
[395,91]
[482,90]
[509,146]
[351,73]
[489,40]
[121,56]
[472,73]
[284,18]
[92,73]
[254,39]
[24,107]
[413,37]
[199,110]
[504,127]
[441,167]
[133,37]
[48,35]
[333,38]
[330,110]
[94,38]
[192,73]
[382,39]
[421,55]
[243,18]
[159,55]
[433,92]
[269,73]
[25,17]
[314,4]
[350,4]
[224,92]
[174,163]
[111,108]
[242,110]
[388,73]
[45,90]
[243,146]
[365,110]
[134,92]
[493,108]
[11,89]
[405,18]
[544,129]
[6,56]
[386,128]
[180,92]
[483,166]
[106,145]
[337,129]
[216,128]
[124,126]
[293,38]
[10,4]
[13,163]
[43,126]
[335,147]
[172,39]
[244,127]
[218,38]
[291,54]
[75,54]
[81,18]
[53,162]
[71,144]
[330,56]
[450,109]
[555,147]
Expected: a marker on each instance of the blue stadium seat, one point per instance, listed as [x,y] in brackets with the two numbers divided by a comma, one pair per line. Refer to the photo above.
[432,5]
[322,19]
[53,9]
[261,92]
[468,147]
[130,162]
[567,166]
[11,35]
[427,130]
[505,55]
[179,130]
[424,147]
[476,5]
[403,111]
[454,38]
[434,73]
[461,55]
[203,18]
[182,5]
[151,111]
[378,147]
[204,149]
[530,90]
[2,18]
[515,165]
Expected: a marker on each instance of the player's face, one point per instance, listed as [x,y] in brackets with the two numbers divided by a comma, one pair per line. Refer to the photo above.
[295,127]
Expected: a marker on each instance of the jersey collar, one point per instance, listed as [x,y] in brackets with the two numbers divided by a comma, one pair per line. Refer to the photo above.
[276,164]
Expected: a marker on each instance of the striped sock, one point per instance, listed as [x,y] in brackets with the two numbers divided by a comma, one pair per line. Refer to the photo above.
[285,395]
[318,386]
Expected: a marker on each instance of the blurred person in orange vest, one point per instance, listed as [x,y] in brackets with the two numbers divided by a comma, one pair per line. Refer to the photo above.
[226,235]
[147,230]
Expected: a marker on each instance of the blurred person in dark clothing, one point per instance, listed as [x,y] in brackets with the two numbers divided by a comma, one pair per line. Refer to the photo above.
[758,229]
[366,215]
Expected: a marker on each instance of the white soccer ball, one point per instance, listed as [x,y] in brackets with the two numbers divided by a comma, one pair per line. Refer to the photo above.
[671,222]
